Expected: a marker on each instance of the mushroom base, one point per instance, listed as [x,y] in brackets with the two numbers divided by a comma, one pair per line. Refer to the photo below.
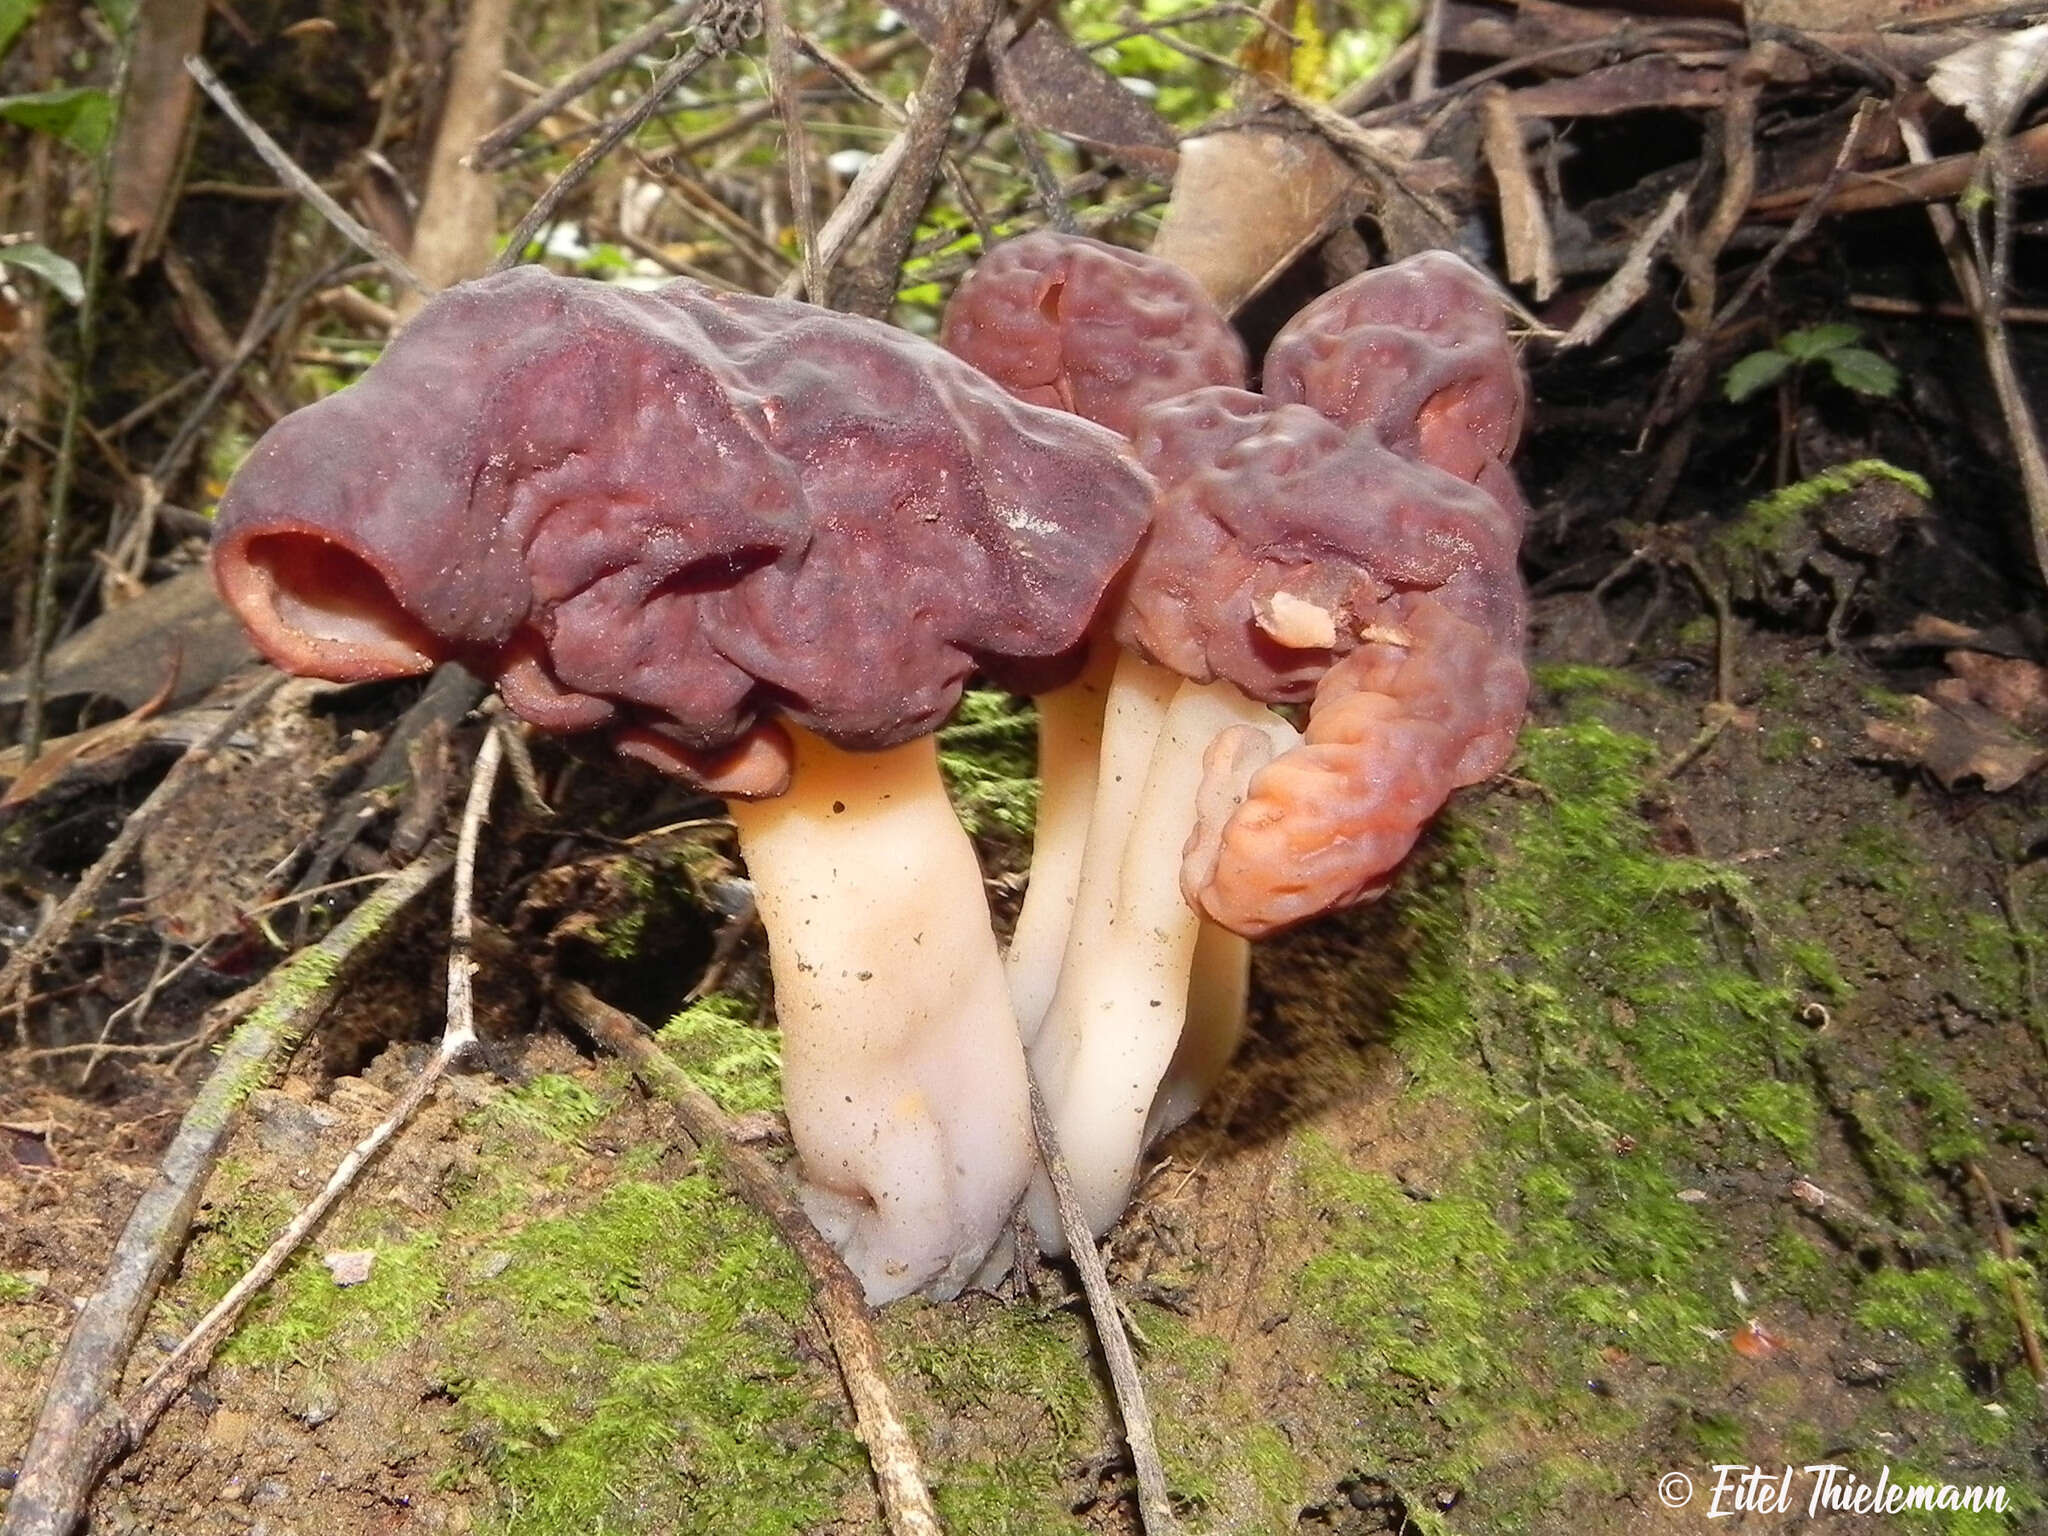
[902,1070]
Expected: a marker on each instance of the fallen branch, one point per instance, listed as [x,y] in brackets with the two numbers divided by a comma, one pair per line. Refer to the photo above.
[899,1475]
[1155,1508]
[79,1432]
[2015,1293]
[495,147]
[288,172]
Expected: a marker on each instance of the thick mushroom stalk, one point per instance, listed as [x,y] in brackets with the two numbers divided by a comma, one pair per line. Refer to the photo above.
[762,546]
[1104,332]
[1289,561]
[901,1074]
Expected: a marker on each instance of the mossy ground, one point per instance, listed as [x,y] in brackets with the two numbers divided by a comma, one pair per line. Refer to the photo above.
[1493,1225]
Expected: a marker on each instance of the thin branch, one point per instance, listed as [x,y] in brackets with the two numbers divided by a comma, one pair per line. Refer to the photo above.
[796,144]
[79,1433]
[1155,1507]
[458,1036]
[20,968]
[494,147]
[1002,36]
[2015,1293]
[282,166]
[899,1476]
[57,515]
[693,58]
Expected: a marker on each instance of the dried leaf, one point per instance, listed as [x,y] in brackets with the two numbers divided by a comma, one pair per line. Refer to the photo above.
[2014,690]
[59,757]
[1956,739]
[1992,80]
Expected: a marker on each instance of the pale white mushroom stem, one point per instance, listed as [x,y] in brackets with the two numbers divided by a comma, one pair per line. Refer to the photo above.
[903,1074]
[1118,1013]
[1069,744]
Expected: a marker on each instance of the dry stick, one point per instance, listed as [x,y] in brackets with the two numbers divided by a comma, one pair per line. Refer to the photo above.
[494,147]
[458,1034]
[796,144]
[1996,340]
[20,967]
[1002,36]
[1428,41]
[2015,1293]
[1155,1509]
[79,1434]
[694,58]
[57,515]
[282,166]
[872,290]
[898,1474]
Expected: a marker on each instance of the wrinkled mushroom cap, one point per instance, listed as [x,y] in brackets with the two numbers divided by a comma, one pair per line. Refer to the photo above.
[680,514]
[1065,321]
[1280,539]
[1416,351]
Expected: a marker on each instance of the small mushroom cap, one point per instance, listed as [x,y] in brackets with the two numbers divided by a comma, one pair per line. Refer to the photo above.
[1417,351]
[1395,727]
[1066,321]
[1282,541]
[679,514]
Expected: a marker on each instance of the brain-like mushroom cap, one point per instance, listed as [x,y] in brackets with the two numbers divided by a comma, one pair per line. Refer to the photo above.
[679,513]
[1302,560]
[1417,351]
[1066,321]
[1280,538]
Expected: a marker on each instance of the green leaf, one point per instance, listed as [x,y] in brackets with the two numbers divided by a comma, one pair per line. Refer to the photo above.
[82,117]
[58,271]
[1818,340]
[119,14]
[1863,371]
[14,15]
[1757,371]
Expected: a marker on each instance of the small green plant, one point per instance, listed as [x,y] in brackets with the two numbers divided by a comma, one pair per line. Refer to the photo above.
[1831,346]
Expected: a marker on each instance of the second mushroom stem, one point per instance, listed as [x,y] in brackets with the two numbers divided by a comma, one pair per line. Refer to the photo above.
[1115,1025]
[902,1069]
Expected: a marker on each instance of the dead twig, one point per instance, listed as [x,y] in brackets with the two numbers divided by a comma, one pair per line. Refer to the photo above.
[2015,1293]
[79,1432]
[1155,1507]
[1996,340]
[458,1036]
[871,289]
[899,1476]
[796,145]
[20,968]
[288,172]
[495,147]
[708,43]
[57,512]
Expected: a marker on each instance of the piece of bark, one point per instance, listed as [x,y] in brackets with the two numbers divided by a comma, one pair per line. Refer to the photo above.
[1069,94]
[182,614]
[1245,204]
[153,122]
[1524,225]
[458,217]
[1957,739]
[1931,181]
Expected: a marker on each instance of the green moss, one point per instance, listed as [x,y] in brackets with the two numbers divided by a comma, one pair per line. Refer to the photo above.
[1573,678]
[309,1320]
[989,758]
[655,1386]
[1770,523]
[552,1105]
[716,1041]
[14,1288]
[1239,1473]
[1782,744]
[1019,1405]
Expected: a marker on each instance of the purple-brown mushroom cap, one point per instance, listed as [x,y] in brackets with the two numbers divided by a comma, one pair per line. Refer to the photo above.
[1417,351]
[1065,321]
[681,514]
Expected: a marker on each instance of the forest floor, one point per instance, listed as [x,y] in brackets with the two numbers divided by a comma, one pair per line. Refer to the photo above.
[1653,1124]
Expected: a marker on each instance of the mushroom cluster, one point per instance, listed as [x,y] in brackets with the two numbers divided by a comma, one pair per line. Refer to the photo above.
[763,546]
[1346,541]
